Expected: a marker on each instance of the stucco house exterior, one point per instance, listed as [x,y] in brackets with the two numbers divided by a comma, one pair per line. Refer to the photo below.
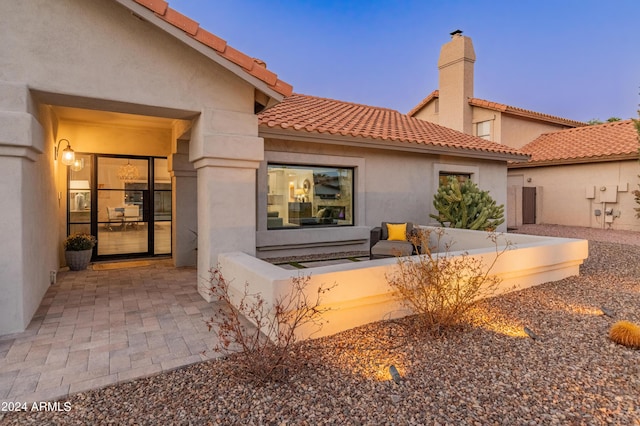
[567,157]
[387,165]
[453,104]
[580,177]
[185,147]
[121,81]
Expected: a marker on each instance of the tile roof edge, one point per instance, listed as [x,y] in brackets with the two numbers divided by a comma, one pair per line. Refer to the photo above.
[524,112]
[424,102]
[247,65]
[587,128]
[575,160]
[500,107]
[291,133]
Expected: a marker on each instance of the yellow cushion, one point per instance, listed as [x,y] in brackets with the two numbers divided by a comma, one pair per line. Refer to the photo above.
[397,232]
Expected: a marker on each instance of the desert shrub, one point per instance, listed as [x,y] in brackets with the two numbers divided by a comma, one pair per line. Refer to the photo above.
[263,337]
[464,205]
[636,197]
[440,288]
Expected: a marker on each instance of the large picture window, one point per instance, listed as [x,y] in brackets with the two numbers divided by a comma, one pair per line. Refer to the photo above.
[309,196]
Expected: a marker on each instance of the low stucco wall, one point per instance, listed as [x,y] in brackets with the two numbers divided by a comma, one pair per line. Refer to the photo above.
[362,294]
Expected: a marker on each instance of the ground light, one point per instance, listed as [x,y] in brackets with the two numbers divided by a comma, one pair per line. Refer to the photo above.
[394,374]
[531,334]
[608,312]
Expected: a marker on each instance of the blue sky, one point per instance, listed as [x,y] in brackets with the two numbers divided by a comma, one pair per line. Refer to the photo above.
[578,59]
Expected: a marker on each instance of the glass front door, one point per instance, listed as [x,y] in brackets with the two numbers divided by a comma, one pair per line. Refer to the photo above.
[123,206]
[125,202]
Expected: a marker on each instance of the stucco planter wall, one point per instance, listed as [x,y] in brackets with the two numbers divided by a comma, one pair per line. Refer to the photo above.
[362,293]
[78,260]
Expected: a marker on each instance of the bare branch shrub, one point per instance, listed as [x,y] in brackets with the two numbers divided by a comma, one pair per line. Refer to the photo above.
[441,288]
[263,336]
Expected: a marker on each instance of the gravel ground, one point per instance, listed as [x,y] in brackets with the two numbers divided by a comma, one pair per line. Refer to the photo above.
[487,373]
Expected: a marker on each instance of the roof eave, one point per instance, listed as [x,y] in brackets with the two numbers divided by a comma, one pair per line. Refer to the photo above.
[149,16]
[406,146]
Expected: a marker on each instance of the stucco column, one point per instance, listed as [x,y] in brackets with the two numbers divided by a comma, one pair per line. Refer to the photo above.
[184,232]
[27,227]
[226,151]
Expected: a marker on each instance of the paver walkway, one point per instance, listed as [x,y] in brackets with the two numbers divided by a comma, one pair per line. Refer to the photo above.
[95,328]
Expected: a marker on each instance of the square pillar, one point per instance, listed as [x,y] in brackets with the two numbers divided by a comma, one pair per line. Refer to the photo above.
[28,220]
[184,206]
[226,151]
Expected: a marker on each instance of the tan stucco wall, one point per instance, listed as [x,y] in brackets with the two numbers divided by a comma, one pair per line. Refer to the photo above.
[98,55]
[429,112]
[517,131]
[101,50]
[562,193]
[390,186]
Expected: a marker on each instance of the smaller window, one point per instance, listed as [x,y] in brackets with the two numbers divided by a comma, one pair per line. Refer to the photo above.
[462,177]
[483,130]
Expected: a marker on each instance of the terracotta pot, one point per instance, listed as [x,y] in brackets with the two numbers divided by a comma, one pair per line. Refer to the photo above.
[78,260]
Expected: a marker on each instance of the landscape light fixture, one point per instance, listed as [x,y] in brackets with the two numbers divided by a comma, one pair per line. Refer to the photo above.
[395,375]
[68,156]
[607,312]
[531,334]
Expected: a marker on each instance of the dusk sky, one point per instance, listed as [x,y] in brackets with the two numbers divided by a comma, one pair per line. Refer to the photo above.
[578,59]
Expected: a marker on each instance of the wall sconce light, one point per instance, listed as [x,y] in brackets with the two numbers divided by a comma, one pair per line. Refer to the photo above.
[68,156]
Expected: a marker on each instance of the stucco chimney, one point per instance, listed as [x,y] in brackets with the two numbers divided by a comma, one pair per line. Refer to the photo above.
[456,83]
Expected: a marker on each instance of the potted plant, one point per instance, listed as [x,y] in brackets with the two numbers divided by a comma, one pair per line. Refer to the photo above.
[78,249]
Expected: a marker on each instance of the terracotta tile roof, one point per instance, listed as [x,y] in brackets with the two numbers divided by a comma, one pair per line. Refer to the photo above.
[609,141]
[502,108]
[251,66]
[315,115]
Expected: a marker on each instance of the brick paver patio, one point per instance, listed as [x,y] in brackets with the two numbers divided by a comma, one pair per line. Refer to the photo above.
[95,328]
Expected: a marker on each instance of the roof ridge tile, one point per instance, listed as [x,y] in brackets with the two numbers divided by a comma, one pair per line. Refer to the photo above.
[181,21]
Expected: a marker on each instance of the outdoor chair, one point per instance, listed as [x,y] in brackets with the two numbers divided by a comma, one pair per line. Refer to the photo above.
[391,239]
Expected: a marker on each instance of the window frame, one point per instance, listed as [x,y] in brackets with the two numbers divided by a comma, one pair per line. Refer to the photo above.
[483,135]
[303,194]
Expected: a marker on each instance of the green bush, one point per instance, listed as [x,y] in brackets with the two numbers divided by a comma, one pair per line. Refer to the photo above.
[464,205]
